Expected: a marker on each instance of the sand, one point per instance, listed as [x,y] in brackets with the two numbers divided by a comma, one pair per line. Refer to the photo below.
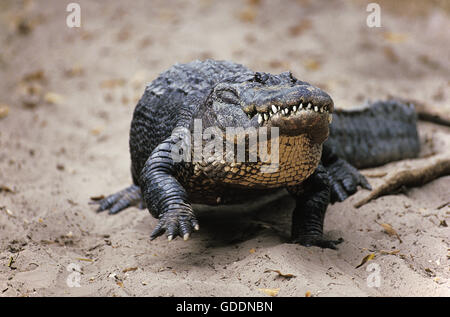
[69,142]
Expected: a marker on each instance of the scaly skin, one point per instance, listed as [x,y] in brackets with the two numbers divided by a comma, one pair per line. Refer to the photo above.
[221,95]
[375,135]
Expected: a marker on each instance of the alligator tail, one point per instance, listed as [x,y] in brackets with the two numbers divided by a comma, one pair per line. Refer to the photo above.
[383,132]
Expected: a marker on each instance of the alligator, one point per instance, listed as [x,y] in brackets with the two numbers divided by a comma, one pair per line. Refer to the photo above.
[319,149]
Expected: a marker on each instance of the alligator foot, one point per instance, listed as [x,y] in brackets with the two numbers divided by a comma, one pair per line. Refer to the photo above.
[128,197]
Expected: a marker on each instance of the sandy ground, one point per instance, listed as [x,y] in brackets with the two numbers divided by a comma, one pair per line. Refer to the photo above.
[67,97]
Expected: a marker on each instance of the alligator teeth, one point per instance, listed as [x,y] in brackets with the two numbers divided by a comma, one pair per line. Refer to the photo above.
[260,118]
[290,110]
[330,118]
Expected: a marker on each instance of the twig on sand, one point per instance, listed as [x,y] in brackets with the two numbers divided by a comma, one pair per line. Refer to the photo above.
[435,167]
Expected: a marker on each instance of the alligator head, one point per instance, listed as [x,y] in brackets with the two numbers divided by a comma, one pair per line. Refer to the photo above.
[301,112]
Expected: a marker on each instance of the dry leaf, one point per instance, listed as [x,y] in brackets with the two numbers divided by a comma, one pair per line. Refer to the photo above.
[10,263]
[389,252]
[46,242]
[23,25]
[366,259]
[75,70]
[426,60]
[286,275]
[299,28]
[87,36]
[308,294]
[53,98]
[70,201]
[247,15]
[254,2]
[311,64]
[6,189]
[269,291]
[125,100]
[279,64]
[8,212]
[4,110]
[37,75]
[395,37]
[429,272]
[112,83]
[252,250]
[119,283]
[97,198]
[129,269]
[96,131]
[390,231]
[85,260]
[390,54]
[145,42]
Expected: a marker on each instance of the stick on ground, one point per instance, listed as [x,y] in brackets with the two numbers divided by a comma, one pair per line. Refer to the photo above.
[435,167]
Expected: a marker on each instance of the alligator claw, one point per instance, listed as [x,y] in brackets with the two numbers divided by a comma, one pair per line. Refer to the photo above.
[176,223]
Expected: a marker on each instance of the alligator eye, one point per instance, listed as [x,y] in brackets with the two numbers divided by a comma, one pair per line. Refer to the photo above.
[261,77]
[228,96]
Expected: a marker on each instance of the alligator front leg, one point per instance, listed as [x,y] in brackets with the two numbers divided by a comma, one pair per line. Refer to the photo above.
[312,199]
[165,197]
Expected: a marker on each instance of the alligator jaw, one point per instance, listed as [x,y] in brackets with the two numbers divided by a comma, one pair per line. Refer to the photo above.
[304,118]
[263,115]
